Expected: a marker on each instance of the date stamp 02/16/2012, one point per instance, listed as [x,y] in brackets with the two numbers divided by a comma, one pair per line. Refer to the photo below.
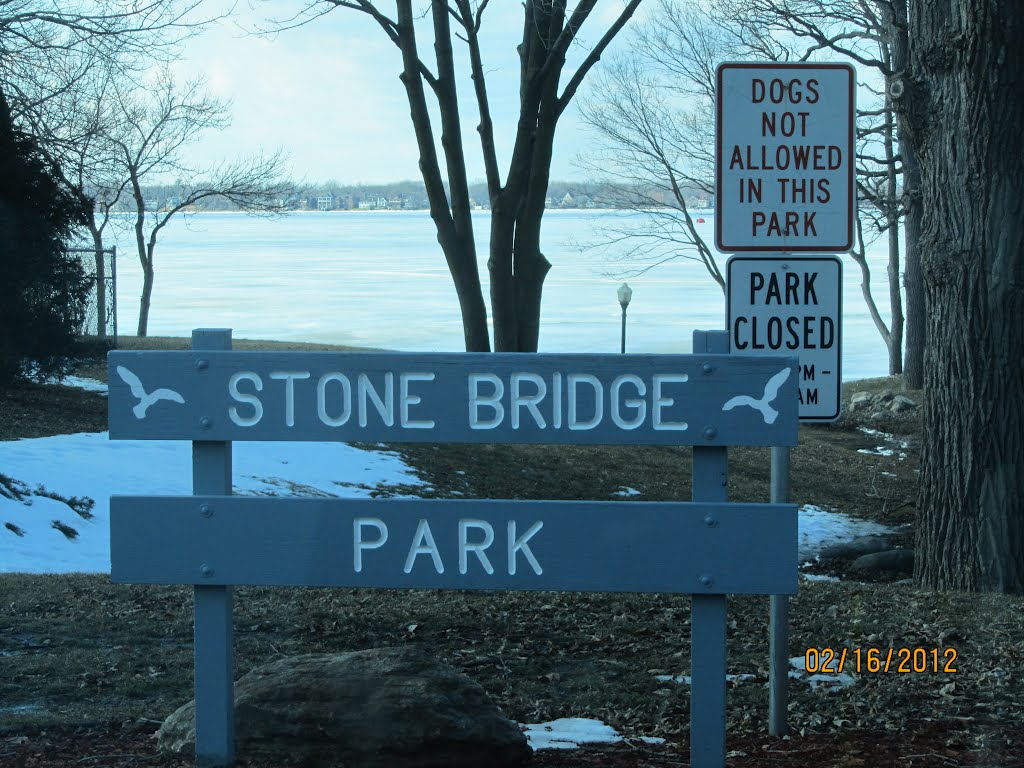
[901,660]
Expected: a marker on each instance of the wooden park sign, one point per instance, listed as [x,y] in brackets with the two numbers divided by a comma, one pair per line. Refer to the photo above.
[707,547]
[453,398]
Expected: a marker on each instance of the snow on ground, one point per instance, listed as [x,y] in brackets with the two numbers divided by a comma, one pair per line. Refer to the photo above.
[89,385]
[819,528]
[827,680]
[90,466]
[570,732]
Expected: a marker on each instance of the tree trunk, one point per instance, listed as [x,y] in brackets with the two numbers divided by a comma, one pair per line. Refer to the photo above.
[101,281]
[146,298]
[915,328]
[968,109]
[915,333]
[892,218]
[499,268]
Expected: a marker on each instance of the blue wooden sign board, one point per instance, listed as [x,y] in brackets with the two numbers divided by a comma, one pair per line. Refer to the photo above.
[445,544]
[213,396]
[700,399]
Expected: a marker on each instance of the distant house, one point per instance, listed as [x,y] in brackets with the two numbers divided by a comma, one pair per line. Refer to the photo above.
[374,203]
[325,202]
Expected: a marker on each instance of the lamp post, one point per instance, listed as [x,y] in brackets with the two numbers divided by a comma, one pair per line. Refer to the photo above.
[625,293]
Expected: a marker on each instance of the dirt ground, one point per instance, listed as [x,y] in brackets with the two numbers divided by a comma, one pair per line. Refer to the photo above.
[89,669]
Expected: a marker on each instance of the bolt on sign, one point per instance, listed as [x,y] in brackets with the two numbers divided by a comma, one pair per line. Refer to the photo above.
[780,305]
[784,157]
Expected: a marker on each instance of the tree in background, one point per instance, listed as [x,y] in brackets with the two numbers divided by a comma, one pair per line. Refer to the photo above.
[654,118]
[43,290]
[516,265]
[57,62]
[875,35]
[967,109]
[146,134]
[653,113]
[71,125]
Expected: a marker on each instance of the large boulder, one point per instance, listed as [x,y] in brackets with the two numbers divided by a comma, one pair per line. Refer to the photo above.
[378,708]
[898,561]
[862,545]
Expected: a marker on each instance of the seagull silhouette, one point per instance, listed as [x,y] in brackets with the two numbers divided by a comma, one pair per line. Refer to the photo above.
[145,399]
[771,390]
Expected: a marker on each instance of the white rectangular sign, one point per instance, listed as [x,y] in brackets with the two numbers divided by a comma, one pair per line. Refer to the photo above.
[792,305]
[784,157]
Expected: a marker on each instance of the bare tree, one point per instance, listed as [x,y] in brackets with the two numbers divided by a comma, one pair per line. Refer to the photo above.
[516,265]
[57,63]
[875,35]
[653,115]
[148,136]
[72,125]
[968,61]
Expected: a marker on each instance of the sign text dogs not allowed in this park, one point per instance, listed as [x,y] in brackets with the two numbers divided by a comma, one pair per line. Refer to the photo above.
[785,157]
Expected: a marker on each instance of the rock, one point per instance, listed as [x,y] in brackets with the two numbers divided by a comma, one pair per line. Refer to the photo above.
[378,708]
[862,545]
[891,561]
[859,401]
[902,403]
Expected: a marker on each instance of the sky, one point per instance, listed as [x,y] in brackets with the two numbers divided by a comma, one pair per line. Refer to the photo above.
[328,92]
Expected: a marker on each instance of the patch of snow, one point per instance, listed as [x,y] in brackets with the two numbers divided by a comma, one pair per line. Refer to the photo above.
[892,446]
[827,681]
[819,528]
[89,385]
[89,465]
[625,490]
[688,680]
[570,732]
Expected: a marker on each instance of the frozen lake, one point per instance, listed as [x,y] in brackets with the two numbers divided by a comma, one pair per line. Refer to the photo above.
[378,279]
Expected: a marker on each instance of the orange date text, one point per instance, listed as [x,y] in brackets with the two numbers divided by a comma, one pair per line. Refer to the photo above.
[901,660]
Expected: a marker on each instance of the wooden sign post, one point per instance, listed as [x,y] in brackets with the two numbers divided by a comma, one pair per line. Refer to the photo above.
[707,548]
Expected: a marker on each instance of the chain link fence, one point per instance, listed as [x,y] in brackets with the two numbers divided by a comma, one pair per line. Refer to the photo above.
[101,313]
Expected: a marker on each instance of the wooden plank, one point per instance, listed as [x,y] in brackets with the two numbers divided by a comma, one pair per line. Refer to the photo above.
[709,610]
[214,628]
[449,544]
[778,615]
[699,399]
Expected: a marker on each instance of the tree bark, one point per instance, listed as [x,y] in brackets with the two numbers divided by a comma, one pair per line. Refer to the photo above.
[968,109]
[892,218]
[101,281]
[913,283]
[144,301]
[145,257]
